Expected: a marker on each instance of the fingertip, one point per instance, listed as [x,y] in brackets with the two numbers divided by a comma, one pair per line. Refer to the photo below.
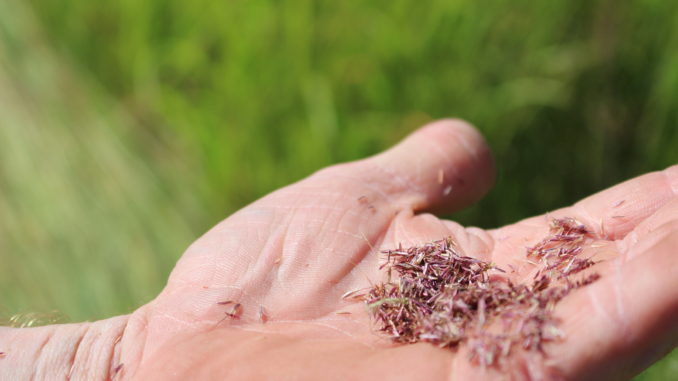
[448,160]
[671,174]
[616,211]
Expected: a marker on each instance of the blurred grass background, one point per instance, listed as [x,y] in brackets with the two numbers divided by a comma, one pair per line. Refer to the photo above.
[128,128]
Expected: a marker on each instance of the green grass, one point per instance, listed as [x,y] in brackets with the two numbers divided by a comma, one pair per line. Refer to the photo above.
[128,128]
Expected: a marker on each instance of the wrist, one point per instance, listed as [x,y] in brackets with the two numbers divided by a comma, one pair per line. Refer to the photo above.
[73,351]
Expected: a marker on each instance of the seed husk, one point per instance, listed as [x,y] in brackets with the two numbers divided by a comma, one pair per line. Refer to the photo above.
[445,298]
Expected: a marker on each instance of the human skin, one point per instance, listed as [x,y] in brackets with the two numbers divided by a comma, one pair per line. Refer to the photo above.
[296,251]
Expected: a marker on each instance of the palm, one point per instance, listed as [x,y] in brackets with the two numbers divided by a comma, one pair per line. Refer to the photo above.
[290,256]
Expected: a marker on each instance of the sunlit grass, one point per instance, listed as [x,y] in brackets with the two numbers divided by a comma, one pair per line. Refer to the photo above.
[86,225]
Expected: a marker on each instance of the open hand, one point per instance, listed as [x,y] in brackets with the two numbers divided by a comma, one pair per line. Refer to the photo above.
[288,258]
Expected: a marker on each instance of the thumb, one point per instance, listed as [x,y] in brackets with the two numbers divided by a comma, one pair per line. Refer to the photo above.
[442,167]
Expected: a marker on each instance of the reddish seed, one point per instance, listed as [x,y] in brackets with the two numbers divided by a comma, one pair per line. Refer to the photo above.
[353,295]
[3,354]
[235,312]
[118,368]
[447,299]
[225,302]
[263,316]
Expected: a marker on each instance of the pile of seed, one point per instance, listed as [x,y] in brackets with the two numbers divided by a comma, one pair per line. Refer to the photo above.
[447,299]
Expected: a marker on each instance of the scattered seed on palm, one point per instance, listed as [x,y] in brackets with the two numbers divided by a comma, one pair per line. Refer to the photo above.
[445,298]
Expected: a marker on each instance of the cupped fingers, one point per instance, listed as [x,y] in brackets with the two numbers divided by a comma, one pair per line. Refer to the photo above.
[621,324]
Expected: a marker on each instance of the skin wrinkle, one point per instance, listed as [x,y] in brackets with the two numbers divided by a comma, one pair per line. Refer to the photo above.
[184,322]
[314,192]
[361,182]
[405,182]
[349,234]
[441,223]
[288,270]
[319,321]
[334,318]
[136,329]
[598,306]
[301,207]
[275,244]
[618,299]
[348,268]
[147,351]
[115,354]
[322,207]
[381,236]
[263,265]
[341,331]
[74,357]
[485,238]
[39,355]
[623,245]
[481,243]
[402,232]
[354,261]
[92,338]
[633,247]
[586,218]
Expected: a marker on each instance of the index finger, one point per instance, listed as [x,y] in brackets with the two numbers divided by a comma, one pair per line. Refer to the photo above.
[616,211]
[611,213]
